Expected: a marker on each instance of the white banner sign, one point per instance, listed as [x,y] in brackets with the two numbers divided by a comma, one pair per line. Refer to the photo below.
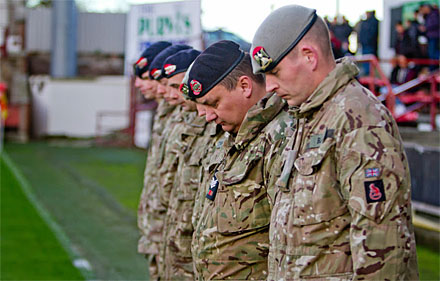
[176,22]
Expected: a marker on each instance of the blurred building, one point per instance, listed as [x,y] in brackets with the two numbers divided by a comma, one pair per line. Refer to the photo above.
[210,37]
[55,41]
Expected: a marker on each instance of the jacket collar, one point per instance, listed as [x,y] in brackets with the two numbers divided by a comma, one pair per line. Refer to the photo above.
[344,71]
[257,118]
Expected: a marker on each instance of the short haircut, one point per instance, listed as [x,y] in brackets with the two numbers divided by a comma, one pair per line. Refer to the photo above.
[318,34]
[244,68]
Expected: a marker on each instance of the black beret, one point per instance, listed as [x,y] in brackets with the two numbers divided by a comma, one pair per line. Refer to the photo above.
[156,65]
[142,64]
[211,66]
[179,62]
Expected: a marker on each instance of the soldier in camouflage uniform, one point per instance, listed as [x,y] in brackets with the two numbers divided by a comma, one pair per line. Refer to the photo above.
[183,150]
[230,240]
[148,88]
[343,203]
[150,211]
[214,155]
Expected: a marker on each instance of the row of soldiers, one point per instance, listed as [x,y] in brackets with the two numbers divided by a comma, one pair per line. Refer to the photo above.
[273,165]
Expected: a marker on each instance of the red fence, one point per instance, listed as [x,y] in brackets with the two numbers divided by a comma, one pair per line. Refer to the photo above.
[415,101]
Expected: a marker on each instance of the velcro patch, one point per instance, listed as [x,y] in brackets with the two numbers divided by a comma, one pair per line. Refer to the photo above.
[213,186]
[374,191]
[315,141]
[372,172]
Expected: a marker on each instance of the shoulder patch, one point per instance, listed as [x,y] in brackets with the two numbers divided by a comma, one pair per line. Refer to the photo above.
[372,172]
[374,191]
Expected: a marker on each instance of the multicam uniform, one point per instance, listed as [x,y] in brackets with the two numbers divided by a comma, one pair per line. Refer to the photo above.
[167,162]
[213,159]
[191,147]
[342,207]
[150,211]
[231,238]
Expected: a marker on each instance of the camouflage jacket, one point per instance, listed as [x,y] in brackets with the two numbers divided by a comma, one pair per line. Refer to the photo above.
[209,163]
[343,201]
[231,238]
[148,224]
[168,152]
[191,147]
[166,165]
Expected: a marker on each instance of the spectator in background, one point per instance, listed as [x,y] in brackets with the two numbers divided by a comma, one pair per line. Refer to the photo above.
[336,45]
[403,71]
[431,27]
[368,36]
[404,44]
[414,31]
[342,30]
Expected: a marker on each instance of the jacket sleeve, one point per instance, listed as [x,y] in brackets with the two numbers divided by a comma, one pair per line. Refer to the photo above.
[374,178]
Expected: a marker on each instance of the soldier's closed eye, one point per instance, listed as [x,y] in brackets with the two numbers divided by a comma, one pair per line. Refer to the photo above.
[175,86]
[214,104]
[210,103]
[273,71]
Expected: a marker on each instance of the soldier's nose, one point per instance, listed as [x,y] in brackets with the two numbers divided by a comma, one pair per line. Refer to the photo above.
[161,89]
[210,116]
[271,86]
[137,82]
[200,110]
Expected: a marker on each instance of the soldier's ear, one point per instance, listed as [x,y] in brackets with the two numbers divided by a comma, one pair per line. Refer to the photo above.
[244,84]
[310,56]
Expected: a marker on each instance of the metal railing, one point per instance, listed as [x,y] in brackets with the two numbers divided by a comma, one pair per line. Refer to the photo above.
[416,100]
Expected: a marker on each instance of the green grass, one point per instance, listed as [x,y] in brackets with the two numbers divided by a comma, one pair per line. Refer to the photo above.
[429,263]
[29,248]
[93,204]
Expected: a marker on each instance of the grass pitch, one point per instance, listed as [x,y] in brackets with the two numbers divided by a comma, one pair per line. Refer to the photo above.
[92,193]
[29,248]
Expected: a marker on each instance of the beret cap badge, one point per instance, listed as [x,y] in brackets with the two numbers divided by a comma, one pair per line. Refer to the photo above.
[169,68]
[184,89]
[261,57]
[156,73]
[142,62]
[196,87]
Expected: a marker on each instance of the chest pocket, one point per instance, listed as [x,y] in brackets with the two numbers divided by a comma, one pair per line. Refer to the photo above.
[242,200]
[317,197]
[190,174]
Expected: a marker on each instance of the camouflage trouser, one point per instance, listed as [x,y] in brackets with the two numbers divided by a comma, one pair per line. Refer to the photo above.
[150,221]
[152,266]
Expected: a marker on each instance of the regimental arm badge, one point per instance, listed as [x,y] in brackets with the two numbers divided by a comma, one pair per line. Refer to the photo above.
[196,87]
[261,57]
[374,191]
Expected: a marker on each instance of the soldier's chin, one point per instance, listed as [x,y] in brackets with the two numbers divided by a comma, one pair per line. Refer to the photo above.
[174,102]
[228,128]
[148,96]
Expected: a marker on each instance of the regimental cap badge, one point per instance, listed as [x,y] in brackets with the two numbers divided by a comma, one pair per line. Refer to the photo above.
[169,68]
[156,73]
[142,62]
[184,89]
[261,57]
[196,87]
